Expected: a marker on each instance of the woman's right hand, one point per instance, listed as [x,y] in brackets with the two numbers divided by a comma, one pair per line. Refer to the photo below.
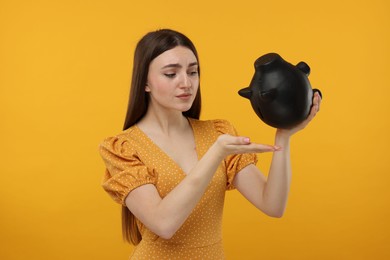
[227,144]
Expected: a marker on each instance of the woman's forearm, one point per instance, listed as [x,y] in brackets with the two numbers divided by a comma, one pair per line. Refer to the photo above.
[277,188]
[174,209]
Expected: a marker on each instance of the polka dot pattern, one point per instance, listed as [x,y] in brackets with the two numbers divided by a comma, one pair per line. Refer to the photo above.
[132,160]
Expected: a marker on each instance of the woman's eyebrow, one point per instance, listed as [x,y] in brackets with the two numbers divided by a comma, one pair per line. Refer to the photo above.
[193,64]
[177,65]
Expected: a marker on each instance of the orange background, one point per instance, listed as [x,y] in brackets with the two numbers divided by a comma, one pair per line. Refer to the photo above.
[64,79]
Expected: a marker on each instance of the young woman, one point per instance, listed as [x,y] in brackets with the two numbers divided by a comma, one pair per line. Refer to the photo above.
[170,170]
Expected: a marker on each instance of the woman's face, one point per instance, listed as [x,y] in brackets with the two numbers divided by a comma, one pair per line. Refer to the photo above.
[173,79]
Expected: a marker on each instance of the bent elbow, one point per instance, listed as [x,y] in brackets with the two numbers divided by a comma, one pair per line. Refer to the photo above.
[166,232]
[166,235]
[276,213]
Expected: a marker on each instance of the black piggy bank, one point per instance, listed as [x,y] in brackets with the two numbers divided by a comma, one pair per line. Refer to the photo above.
[280,93]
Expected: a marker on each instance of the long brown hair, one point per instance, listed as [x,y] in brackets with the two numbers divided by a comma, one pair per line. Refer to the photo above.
[148,48]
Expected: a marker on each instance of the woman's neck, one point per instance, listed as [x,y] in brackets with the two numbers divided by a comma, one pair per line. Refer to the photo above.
[165,122]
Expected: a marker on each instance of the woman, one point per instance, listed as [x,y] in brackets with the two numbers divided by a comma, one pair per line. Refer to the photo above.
[170,170]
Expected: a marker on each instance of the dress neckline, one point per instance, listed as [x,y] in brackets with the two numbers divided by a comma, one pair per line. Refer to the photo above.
[158,151]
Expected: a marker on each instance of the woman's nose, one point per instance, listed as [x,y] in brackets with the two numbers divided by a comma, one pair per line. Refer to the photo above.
[185,81]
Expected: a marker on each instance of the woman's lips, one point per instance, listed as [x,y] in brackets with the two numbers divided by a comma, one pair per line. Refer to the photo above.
[184,96]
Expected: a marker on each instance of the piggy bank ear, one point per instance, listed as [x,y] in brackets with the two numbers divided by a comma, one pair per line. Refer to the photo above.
[302,66]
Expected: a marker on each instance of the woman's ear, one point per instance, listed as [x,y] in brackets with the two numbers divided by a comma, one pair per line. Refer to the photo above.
[147,89]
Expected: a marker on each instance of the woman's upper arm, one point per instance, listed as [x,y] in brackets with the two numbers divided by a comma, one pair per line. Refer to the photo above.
[250,182]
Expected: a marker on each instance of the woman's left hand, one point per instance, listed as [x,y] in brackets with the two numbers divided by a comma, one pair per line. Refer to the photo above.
[314,109]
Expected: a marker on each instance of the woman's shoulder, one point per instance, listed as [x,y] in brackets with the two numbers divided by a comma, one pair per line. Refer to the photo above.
[120,142]
[123,135]
[220,125]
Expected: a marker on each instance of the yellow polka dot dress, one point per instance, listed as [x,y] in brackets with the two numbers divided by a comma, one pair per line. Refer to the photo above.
[132,160]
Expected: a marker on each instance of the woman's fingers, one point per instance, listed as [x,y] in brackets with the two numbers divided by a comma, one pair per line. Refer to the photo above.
[318,100]
[226,139]
[315,108]
[251,148]
[240,144]
[313,111]
[261,148]
[316,103]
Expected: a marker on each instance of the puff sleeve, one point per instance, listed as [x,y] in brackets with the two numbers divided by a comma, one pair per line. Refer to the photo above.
[236,162]
[124,170]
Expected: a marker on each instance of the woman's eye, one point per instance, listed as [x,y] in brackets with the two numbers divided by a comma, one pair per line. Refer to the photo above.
[170,75]
[193,73]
